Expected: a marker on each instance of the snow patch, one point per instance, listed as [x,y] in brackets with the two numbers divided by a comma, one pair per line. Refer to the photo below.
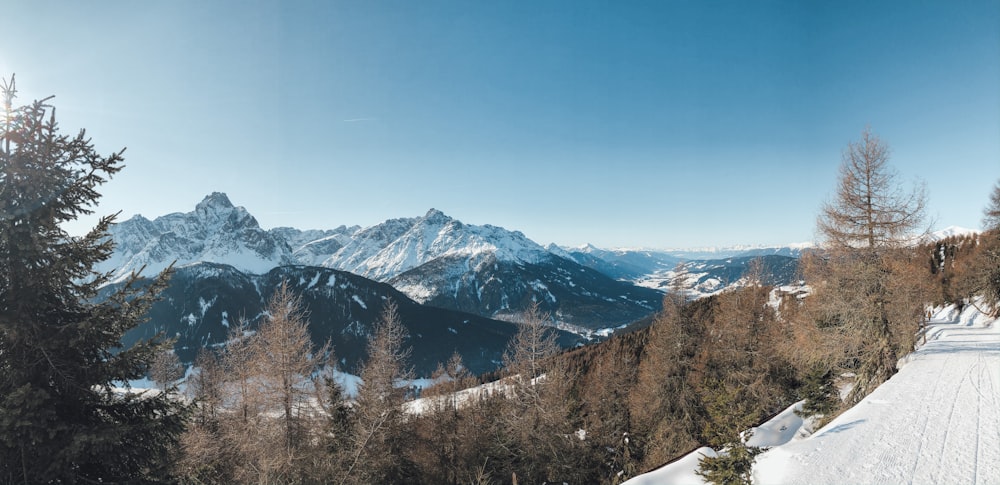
[360,303]
[314,281]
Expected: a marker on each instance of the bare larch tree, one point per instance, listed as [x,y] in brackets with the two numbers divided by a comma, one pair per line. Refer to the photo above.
[869,221]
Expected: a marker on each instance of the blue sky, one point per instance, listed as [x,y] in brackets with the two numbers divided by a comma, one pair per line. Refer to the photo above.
[658,124]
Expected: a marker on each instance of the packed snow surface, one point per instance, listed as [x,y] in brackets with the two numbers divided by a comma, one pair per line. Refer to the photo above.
[936,421]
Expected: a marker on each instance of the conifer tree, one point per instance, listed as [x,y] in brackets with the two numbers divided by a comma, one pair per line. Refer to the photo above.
[665,403]
[986,275]
[540,414]
[991,215]
[380,439]
[287,361]
[166,368]
[866,225]
[61,417]
[818,392]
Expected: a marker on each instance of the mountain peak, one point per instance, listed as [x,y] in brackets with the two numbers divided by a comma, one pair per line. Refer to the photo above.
[436,215]
[214,201]
[216,232]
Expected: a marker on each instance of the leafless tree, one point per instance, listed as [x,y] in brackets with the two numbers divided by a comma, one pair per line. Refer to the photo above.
[287,363]
[379,436]
[664,403]
[539,410]
[991,215]
[203,458]
[257,420]
[869,220]
[166,368]
[984,278]
[870,210]
[533,345]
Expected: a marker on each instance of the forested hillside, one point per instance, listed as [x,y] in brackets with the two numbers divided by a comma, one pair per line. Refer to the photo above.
[268,403]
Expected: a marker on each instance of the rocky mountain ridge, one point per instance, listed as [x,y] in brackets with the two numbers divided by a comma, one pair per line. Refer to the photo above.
[439,261]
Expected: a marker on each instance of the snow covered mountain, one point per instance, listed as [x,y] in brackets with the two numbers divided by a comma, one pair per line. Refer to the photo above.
[388,249]
[312,247]
[215,231]
[660,269]
[701,278]
[435,259]
[489,271]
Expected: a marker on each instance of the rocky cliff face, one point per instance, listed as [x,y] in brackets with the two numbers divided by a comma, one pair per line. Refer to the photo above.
[215,232]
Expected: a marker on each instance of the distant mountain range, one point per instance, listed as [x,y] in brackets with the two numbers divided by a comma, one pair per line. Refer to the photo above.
[444,272]
[434,259]
[205,300]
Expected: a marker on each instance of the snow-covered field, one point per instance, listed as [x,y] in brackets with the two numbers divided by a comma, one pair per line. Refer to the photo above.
[936,421]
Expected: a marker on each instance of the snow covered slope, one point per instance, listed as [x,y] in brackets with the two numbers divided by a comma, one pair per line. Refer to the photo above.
[936,421]
[215,231]
[701,278]
[397,245]
[312,247]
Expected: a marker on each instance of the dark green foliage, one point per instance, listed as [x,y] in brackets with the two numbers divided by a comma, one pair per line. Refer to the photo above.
[61,418]
[338,425]
[729,412]
[818,392]
[730,468]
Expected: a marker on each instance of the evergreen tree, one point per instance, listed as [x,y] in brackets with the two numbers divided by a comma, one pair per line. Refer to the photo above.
[337,429]
[61,418]
[818,391]
[733,467]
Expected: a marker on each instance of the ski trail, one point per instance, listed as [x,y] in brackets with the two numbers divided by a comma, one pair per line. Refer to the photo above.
[927,420]
[979,415]
[936,421]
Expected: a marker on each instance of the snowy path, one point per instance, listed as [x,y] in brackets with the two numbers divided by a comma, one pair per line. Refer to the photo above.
[936,421]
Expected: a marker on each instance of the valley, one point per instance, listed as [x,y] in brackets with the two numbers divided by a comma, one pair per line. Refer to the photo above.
[460,287]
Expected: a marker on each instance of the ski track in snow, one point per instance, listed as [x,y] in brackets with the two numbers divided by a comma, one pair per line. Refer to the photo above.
[936,421]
